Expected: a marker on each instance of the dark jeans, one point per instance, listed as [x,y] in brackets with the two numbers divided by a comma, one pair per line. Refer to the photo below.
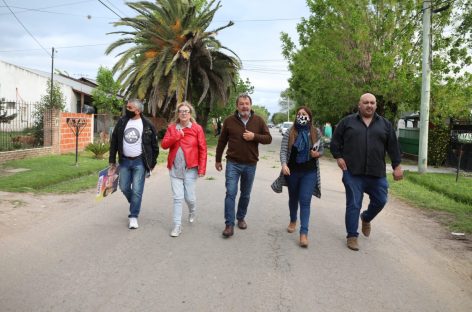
[235,172]
[132,175]
[300,190]
[356,186]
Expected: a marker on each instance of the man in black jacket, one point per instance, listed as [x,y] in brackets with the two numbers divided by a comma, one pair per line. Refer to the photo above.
[359,145]
[134,138]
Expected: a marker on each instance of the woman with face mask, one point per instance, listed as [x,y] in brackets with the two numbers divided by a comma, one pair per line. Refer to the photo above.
[299,153]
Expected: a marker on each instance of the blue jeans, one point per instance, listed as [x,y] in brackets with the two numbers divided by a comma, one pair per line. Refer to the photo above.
[234,172]
[184,189]
[300,190]
[356,186]
[132,175]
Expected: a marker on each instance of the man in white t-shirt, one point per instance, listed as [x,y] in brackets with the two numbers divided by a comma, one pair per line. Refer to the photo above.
[134,138]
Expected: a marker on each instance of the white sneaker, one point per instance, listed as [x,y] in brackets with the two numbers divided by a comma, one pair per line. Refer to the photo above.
[133,223]
[191,217]
[176,231]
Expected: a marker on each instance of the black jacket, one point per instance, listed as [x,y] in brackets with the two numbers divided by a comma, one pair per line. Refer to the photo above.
[149,144]
[363,148]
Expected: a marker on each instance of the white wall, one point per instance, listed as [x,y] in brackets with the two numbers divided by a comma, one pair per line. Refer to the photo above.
[30,86]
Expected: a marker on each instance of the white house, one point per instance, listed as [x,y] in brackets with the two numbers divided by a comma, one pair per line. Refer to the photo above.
[24,85]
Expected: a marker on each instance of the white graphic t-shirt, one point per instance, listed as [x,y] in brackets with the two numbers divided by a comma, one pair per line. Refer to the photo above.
[132,138]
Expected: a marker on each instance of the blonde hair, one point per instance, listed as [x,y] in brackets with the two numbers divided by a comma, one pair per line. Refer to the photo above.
[189,106]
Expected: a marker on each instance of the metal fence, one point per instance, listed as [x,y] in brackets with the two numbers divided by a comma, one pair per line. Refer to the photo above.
[103,126]
[17,126]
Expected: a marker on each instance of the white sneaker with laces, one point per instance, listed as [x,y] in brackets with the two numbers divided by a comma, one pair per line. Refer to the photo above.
[191,217]
[133,223]
[176,231]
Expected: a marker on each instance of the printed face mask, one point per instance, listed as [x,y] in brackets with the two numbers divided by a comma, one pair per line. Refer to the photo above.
[302,119]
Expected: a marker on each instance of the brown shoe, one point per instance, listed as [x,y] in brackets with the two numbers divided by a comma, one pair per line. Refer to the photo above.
[228,231]
[291,227]
[242,224]
[352,243]
[365,228]
[303,241]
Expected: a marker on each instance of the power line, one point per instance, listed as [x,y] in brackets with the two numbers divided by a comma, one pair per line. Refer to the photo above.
[263,20]
[48,7]
[109,8]
[67,47]
[52,12]
[26,29]
[117,8]
[279,60]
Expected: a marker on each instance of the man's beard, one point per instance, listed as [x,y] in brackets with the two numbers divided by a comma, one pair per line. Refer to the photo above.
[244,113]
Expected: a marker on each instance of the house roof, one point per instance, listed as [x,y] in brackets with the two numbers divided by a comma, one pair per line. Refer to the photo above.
[410,115]
[81,85]
[75,84]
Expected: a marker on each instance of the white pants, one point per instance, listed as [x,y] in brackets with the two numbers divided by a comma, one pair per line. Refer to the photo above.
[184,189]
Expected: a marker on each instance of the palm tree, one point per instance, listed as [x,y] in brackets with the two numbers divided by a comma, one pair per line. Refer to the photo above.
[173,57]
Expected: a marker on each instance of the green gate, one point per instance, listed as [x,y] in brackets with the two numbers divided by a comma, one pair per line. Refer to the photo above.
[409,139]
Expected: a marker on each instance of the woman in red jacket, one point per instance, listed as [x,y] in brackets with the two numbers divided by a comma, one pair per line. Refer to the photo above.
[186,161]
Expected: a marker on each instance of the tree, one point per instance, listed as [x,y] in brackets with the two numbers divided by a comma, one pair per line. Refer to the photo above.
[106,95]
[54,100]
[351,47]
[347,48]
[261,111]
[229,107]
[174,57]
[279,118]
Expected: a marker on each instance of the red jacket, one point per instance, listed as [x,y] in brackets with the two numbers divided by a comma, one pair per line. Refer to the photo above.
[193,145]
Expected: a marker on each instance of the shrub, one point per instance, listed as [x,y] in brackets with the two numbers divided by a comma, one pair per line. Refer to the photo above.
[99,149]
[438,143]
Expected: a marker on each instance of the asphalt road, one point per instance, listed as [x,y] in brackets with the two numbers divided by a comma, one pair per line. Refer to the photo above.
[82,257]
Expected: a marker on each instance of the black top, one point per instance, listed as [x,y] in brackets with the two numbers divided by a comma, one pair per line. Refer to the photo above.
[149,145]
[305,166]
[363,148]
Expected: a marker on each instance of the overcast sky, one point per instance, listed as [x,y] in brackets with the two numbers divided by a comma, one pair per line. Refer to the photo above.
[78,30]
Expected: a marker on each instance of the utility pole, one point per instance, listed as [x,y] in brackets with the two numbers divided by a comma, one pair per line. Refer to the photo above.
[52,76]
[425,88]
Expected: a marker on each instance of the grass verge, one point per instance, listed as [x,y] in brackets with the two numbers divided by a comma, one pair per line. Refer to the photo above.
[55,173]
[438,193]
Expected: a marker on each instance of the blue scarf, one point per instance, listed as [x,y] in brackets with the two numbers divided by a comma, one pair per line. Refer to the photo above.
[302,143]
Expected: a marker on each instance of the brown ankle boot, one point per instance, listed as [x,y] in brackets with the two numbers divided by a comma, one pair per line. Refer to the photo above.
[303,240]
[365,228]
[228,231]
[291,227]
[352,243]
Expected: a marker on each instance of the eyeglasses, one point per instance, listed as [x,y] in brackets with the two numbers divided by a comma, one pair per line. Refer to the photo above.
[184,112]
